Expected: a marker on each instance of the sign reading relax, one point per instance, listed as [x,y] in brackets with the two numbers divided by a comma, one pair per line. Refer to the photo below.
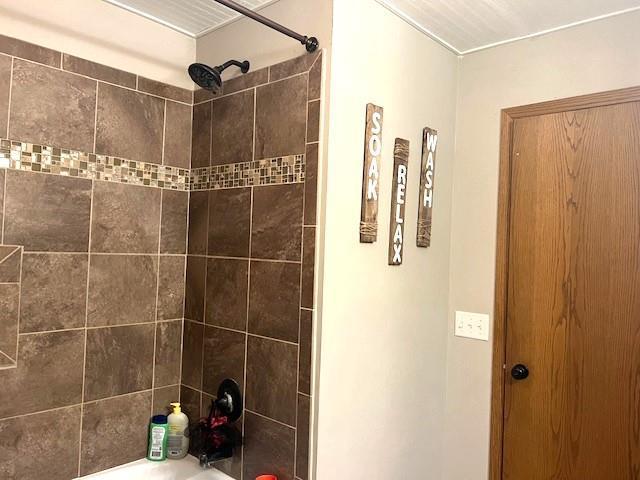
[371,175]
[399,189]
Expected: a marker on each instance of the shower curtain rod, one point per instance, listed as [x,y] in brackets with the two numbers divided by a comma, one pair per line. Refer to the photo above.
[310,43]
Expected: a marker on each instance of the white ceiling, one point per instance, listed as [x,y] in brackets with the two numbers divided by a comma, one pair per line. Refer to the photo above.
[191,17]
[465,26]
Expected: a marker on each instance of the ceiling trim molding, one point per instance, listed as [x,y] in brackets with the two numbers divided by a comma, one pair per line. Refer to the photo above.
[151,17]
[452,48]
[232,20]
[395,10]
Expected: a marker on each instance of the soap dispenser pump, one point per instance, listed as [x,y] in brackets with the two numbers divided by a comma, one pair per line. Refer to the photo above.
[178,436]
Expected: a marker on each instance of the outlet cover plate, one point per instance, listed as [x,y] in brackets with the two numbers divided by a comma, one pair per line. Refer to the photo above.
[472,325]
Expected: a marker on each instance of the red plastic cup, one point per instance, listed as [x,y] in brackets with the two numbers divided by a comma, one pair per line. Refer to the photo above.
[267,477]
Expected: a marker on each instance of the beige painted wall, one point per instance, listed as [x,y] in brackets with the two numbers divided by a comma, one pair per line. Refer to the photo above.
[262,46]
[590,58]
[97,31]
[383,343]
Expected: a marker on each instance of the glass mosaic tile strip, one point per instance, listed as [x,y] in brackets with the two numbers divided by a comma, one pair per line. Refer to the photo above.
[59,161]
[270,171]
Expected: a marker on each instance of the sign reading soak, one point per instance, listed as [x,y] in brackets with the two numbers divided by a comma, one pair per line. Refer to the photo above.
[427,172]
[399,190]
[371,175]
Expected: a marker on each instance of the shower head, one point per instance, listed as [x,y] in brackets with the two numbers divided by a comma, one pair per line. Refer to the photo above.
[210,78]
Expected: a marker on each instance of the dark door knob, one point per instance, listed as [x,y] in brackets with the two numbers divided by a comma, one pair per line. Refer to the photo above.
[519,372]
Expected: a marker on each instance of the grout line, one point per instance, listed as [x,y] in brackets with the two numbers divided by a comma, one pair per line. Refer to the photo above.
[164,132]
[304,394]
[128,394]
[272,419]
[13,61]
[95,118]
[246,325]
[19,306]
[155,326]
[49,410]
[304,186]
[10,359]
[105,81]
[86,313]
[4,206]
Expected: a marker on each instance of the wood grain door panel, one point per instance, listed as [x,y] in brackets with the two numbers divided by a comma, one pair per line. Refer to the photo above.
[573,302]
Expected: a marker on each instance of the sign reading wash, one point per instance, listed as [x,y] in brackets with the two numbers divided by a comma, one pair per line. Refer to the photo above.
[427,171]
[371,175]
[399,190]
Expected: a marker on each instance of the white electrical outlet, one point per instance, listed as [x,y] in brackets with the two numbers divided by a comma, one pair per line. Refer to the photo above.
[472,325]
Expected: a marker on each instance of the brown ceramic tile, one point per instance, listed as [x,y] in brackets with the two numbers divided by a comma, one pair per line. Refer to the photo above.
[129,124]
[192,354]
[302,437]
[268,447]
[52,107]
[195,293]
[198,216]
[163,397]
[177,135]
[274,297]
[313,121]
[308,268]
[47,212]
[114,432]
[201,136]
[2,180]
[292,67]
[44,445]
[126,218]
[165,90]
[242,82]
[190,401]
[281,118]
[9,308]
[168,352]
[304,360]
[10,263]
[223,358]
[171,287]
[272,379]
[54,291]
[227,293]
[315,80]
[229,222]
[173,235]
[232,132]
[5,84]
[200,95]
[122,289]
[119,360]
[49,373]
[98,71]
[276,232]
[311,184]
[30,51]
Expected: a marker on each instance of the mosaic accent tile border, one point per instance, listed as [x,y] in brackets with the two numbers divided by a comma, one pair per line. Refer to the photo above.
[60,161]
[30,157]
[271,171]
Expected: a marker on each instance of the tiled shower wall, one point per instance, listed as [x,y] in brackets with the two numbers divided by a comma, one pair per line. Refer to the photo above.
[98,302]
[250,264]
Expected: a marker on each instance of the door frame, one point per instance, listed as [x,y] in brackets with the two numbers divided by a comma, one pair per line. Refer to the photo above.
[498,368]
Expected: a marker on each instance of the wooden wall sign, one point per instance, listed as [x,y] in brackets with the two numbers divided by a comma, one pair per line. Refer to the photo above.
[427,172]
[371,175]
[399,190]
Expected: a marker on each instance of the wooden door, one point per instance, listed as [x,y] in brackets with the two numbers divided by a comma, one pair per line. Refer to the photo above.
[573,297]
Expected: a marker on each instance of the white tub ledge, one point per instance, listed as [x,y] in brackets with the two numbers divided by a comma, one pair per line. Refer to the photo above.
[186,469]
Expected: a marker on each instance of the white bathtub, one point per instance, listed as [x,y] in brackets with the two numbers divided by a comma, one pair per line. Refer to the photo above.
[185,469]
